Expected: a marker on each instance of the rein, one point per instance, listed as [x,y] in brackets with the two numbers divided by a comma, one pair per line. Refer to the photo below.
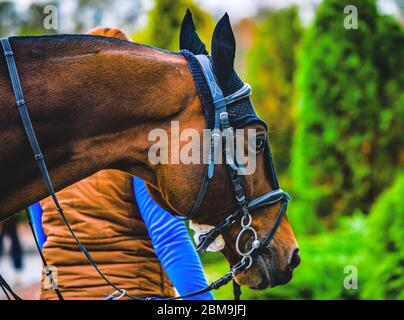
[244,207]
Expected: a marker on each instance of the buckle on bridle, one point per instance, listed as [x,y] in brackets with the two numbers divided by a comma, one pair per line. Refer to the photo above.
[223,115]
[240,198]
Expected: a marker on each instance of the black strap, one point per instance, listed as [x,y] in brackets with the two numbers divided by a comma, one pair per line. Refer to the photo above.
[48,271]
[236,290]
[221,122]
[199,198]
[269,159]
[7,289]
[215,285]
[266,199]
[26,121]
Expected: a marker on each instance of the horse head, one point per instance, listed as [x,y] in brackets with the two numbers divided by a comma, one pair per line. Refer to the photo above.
[132,89]
[178,187]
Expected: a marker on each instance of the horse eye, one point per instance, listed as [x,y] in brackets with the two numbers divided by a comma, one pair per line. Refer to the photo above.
[260,143]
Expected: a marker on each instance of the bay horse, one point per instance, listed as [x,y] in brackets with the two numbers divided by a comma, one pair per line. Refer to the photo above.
[93,100]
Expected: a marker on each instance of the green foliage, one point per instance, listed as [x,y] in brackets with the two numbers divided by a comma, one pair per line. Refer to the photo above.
[386,245]
[93,13]
[270,70]
[165,20]
[350,112]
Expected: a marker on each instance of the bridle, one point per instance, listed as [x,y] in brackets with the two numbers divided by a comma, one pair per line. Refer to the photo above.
[245,207]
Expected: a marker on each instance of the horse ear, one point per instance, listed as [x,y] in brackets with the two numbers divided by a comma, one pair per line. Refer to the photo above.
[189,39]
[223,50]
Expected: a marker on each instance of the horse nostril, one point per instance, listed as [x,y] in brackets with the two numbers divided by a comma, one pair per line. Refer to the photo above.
[295,260]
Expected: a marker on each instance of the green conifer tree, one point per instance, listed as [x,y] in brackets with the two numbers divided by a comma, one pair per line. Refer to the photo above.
[350,111]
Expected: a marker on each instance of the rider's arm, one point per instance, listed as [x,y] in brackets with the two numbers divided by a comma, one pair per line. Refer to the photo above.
[172,244]
[35,211]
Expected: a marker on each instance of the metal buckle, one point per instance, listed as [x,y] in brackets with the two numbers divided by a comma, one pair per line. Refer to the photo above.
[38,156]
[223,115]
[114,296]
[241,198]
[20,102]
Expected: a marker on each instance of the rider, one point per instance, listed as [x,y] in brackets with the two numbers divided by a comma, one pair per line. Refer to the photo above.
[125,231]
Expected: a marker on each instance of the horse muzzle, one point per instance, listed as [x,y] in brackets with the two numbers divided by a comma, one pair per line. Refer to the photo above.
[266,271]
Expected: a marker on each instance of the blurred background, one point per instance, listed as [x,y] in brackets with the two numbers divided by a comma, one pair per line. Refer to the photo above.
[334,101]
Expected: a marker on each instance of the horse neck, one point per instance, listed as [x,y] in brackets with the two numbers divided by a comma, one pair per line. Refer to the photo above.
[93,102]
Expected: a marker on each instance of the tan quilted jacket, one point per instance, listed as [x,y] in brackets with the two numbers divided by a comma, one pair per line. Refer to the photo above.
[103,213]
